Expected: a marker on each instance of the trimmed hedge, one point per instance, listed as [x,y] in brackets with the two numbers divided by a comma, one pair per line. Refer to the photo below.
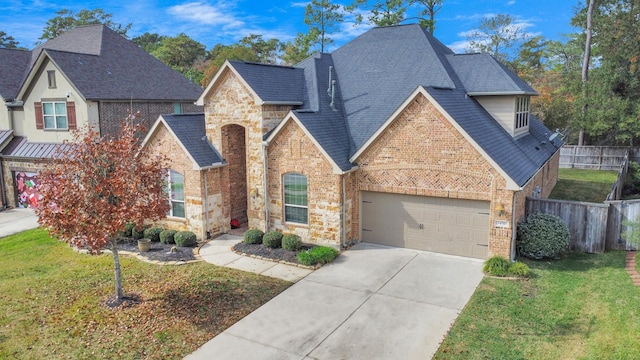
[166,236]
[542,236]
[185,238]
[138,234]
[253,236]
[128,228]
[318,255]
[272,239]
[291,242]
[152,233]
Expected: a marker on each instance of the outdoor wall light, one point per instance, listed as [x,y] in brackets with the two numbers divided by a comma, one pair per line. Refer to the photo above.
[500,209]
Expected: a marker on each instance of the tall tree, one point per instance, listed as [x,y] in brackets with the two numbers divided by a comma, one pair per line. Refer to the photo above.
[428,13]
[67,20]
[149,42]
[323,18]
[497,35]
[95,186]
[298,49]
[179,52]
[7,41]
[266,50]
[220,53]
[380,13]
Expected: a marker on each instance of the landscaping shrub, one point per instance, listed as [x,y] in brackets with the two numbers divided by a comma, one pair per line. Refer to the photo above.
[128,228]
[272,239]
[152,233]
[542,236]
[318,255]
[519,269]
[166,237]
[253,236]
[291,242]
[185,238]
[137,234]
[496,266]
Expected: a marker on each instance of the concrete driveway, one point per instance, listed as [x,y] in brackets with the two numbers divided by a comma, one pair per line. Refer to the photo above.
[373,302]
[13,221]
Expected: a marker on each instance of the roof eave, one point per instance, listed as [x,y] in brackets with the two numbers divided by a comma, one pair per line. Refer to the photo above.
[289,103]
[501,93]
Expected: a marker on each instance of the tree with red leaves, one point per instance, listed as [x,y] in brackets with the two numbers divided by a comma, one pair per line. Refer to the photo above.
[95,185]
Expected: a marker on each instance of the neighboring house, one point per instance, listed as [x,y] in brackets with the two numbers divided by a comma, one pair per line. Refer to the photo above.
[88,76]
[391,139]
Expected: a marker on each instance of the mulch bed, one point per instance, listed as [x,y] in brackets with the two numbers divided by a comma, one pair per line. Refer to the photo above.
[158,251]
[269,253]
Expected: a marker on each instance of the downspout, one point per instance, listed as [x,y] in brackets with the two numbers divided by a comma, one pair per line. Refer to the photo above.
[206,205]
[10,118]
[2,187]
[265,144]
[343,212]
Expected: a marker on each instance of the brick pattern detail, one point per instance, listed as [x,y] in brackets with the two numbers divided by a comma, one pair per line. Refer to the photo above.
[112,113]
[422,153]
[292,151]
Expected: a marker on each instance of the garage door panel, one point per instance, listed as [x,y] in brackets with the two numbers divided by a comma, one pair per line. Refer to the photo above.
[451,226]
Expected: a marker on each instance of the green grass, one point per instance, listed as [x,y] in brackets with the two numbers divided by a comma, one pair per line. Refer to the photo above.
[583,306]
[583,185]
[52,303]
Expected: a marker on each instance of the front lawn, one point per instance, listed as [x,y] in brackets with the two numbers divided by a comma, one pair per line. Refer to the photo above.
[581,307]
[51,303]
[583,185]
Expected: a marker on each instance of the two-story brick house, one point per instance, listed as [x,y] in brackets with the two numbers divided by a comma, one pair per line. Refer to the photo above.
[391,139]
[87,76]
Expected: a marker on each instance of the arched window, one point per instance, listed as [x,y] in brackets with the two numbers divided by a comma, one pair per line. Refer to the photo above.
[175,190]
[295,198]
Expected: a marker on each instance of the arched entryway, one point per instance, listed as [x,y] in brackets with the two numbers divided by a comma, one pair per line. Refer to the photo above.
[234,182]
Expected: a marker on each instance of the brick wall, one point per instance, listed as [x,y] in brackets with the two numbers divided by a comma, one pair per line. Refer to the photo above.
[421,153]
[292,151]
[112,113]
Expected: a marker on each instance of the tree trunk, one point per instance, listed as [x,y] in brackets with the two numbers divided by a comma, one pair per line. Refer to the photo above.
[585,66]
[116,263]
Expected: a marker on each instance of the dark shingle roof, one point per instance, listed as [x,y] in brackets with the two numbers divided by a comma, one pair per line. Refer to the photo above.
[190,131]
[266,81]
[102,65]
[494,78]
[13,68]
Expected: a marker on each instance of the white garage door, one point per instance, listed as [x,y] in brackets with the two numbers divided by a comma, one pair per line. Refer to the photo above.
[450,226]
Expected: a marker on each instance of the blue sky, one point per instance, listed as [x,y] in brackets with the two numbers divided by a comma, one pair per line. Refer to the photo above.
[223,21]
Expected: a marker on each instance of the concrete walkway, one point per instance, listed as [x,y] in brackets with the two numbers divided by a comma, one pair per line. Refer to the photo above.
[13,221]
[373,302]
[218,252]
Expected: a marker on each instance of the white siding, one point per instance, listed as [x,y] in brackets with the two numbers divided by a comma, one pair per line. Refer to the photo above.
[503,110]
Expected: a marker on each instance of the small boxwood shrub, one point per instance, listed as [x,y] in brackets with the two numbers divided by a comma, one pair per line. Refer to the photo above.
[496,266]
[128,228]
[542,236]
[185,238]
[253,236]
[318,255]
[272,239]
[519,269]
[138,233]
[152,233]
[291,242]
[166,236]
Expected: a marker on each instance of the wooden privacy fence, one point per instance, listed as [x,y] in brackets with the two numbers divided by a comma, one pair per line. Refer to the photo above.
[592,157]
[594,227]
[616,188]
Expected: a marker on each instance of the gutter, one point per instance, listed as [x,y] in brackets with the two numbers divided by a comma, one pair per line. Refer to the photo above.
[265,145]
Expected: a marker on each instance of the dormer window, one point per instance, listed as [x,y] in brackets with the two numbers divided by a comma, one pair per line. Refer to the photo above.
[522,112]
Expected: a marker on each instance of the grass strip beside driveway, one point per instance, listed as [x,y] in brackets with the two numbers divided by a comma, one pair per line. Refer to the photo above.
[51,303]
[583,306]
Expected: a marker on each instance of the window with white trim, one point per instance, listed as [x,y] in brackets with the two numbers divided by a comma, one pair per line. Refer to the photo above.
[175,190]
[295,198]
[522,112]
[54,114]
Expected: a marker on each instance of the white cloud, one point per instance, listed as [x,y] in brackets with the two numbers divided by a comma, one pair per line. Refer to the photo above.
[511,2]
[203,13]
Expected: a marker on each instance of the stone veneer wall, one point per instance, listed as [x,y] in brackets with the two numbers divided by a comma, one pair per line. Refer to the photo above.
[292,151]
[164,143]
[421,153]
